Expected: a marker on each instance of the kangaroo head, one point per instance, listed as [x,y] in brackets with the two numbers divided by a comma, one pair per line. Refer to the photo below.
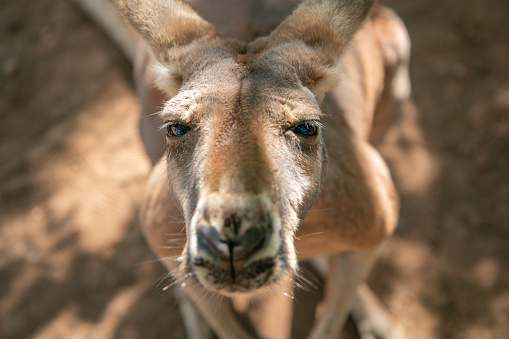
[245,152]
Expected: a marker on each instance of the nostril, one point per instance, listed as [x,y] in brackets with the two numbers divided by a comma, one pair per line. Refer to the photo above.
[249,242]
[210,240]
[225,248]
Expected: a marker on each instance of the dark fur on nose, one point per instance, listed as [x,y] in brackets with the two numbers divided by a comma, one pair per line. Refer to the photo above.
[231,248]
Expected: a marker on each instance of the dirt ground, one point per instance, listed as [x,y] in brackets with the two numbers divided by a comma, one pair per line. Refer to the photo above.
[74,264]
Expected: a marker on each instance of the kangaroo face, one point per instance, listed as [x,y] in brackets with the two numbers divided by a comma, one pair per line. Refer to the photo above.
[245,160]
[245,151]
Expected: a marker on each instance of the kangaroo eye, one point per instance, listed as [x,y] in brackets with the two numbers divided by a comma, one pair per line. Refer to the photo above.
[175,129]
[307,129]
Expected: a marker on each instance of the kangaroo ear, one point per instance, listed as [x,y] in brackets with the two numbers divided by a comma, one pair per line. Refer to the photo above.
[312,39]
[179,38]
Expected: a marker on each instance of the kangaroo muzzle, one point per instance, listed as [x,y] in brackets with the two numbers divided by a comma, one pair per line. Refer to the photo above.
[235,243]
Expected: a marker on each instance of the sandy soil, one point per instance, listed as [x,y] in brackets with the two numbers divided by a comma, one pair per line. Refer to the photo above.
[73,262]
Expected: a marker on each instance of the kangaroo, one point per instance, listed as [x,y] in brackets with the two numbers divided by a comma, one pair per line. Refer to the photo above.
[269,159]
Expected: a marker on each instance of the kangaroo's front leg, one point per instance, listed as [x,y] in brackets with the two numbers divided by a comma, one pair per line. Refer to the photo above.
[373,320]
[218,313]
[346,272]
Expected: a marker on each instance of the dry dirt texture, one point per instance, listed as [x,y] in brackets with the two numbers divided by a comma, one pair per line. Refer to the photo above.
[73,262]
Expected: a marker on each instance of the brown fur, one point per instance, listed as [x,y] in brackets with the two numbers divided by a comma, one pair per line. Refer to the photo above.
[241,161]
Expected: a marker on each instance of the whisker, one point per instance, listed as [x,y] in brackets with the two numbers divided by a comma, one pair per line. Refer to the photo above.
[175,282]
[177,279]
[180,234]
[159,112]
[319,210]
[306,283]
[175,258]
[151,261]
[309,235]
[291,296]
[174,217]
[286,294]
[162,278]
[171,284]
[179,242]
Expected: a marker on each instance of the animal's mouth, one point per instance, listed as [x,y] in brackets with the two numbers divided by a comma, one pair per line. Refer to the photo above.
[240,276]
[236,277]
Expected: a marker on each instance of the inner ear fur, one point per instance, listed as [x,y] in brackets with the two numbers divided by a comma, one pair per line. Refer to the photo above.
[179,39]
[312,39]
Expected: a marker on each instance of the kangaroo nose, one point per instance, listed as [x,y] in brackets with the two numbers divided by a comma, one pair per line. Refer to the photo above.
[228,247]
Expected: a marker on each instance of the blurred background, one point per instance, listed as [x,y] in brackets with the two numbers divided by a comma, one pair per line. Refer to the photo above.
[74,264]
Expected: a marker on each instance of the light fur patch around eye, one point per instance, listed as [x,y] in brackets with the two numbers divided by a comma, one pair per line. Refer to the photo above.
[181,106]
[295,108]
